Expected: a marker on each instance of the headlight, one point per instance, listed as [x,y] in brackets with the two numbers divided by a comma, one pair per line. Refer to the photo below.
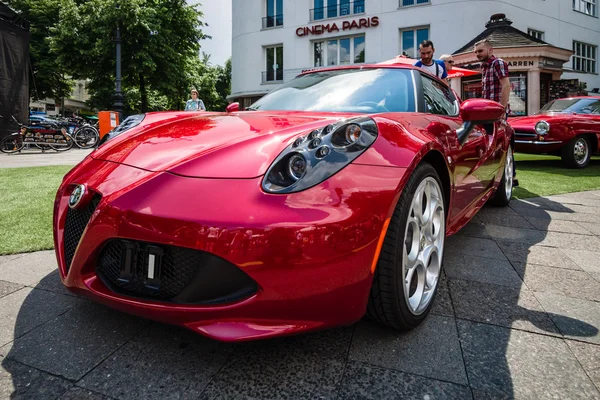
[128,123]
[318,155]
[542,127]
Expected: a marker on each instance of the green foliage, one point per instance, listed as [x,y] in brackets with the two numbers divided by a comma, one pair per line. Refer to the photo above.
[160,46]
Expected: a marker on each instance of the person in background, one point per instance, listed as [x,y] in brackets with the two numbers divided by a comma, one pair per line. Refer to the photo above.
[495,82]
[448,63]
[434,67]
[194,104]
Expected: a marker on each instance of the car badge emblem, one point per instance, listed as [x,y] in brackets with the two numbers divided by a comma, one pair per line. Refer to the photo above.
[76,195]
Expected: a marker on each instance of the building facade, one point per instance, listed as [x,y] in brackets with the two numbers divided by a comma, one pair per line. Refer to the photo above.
[73,104]
[275,40]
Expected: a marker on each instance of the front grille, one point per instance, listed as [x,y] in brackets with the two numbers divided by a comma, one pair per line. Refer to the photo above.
[177,270]
[77,220]
[179,274]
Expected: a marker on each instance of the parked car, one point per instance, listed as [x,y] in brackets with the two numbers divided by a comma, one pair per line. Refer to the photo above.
[569,128]
[328,198]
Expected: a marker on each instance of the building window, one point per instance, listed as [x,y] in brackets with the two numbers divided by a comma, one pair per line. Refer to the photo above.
[405,3]
[410,39]
[350,50]
[585,6]
[535,34]
[274,64]
[336,8]
[584,59]
[274,16]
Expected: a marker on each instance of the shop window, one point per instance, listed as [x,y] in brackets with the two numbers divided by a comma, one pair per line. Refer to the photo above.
[586,6]
[439,99]
[343,51]
[518,92]
[536,34]
[336,8]
[274,17]
[585,57]
[410,39]
[274,64]
[405,3]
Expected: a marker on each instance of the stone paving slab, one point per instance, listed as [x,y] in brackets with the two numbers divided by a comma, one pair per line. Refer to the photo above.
[431,350]
[35,158]
[515,364]
[29,269]
[517,315]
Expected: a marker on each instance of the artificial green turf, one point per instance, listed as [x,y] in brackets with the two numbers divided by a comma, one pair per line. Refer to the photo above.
[26,201]
[545,175]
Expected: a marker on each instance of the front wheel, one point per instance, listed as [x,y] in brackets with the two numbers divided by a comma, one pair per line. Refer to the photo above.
[410,263]
[577,154]
[12,143]
[505,188]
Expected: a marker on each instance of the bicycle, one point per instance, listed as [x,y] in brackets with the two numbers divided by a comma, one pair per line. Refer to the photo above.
[44,137]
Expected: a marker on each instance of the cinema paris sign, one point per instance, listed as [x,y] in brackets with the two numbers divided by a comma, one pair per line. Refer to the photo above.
[330,28]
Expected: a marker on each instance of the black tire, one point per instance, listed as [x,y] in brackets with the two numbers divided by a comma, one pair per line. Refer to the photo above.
[504,192]
[387,302]
[86,137]
[11,144]
[577,153]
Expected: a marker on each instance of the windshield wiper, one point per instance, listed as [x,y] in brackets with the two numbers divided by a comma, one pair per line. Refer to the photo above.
[251,109]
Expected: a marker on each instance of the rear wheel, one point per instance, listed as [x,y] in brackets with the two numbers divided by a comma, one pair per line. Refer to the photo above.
[86,137]
[577,153]
[410,263]
[12,143]
[504,192]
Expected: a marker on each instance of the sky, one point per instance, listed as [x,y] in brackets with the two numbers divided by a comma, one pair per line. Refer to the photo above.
[217,14]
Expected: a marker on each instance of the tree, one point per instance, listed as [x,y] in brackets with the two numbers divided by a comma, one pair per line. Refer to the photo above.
[160,41]
[48,78]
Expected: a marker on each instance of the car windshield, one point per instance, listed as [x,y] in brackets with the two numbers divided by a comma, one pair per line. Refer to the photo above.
[366,90]
[579,106]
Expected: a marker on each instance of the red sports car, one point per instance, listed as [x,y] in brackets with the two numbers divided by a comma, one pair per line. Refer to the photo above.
[568,127]
[328,198]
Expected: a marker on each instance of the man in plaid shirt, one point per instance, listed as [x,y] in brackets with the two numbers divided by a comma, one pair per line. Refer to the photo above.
[496,84]
[494,74]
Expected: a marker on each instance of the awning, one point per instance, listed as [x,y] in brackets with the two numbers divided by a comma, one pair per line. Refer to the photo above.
[455,73]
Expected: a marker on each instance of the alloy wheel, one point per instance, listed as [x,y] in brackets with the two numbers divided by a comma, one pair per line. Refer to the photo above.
[580,151]
[423,246]
[508,173]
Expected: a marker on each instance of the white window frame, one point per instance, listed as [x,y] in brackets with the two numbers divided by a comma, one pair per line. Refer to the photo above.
[338,13]
[581,6]
[326,53]
[584,57]
[416,42]
[536,33]
[276,13]
[265,56]
[400,5]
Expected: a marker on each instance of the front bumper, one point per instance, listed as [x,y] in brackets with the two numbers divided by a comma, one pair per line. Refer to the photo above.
[310,254]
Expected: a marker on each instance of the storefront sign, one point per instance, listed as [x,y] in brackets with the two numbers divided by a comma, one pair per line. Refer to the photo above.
[551,63]
[330,28]
[522,63]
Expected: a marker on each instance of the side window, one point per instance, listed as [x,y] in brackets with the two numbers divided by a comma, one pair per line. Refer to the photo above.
[595,108]
[439,99]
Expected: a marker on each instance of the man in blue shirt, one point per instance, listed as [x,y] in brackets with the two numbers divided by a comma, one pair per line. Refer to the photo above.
[194,104]
[434,67]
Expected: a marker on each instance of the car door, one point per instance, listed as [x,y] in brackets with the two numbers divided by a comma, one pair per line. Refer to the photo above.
[473,164]
[591,119]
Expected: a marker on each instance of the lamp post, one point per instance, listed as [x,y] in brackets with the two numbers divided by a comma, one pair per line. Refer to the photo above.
[118,105]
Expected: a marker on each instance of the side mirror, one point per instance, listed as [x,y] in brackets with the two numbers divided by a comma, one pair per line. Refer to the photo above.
[475,112]
[233,107]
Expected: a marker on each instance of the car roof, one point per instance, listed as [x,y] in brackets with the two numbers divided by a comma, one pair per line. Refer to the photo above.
[359,66]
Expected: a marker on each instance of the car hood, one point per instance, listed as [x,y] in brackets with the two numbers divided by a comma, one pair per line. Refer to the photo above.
[530,121]
[211,145]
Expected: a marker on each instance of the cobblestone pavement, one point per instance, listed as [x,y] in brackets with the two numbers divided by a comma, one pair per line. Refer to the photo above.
[37,158]
[517,316]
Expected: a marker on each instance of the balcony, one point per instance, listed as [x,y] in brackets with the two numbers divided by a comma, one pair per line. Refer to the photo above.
[272,21]
[272,76]
[342,9]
